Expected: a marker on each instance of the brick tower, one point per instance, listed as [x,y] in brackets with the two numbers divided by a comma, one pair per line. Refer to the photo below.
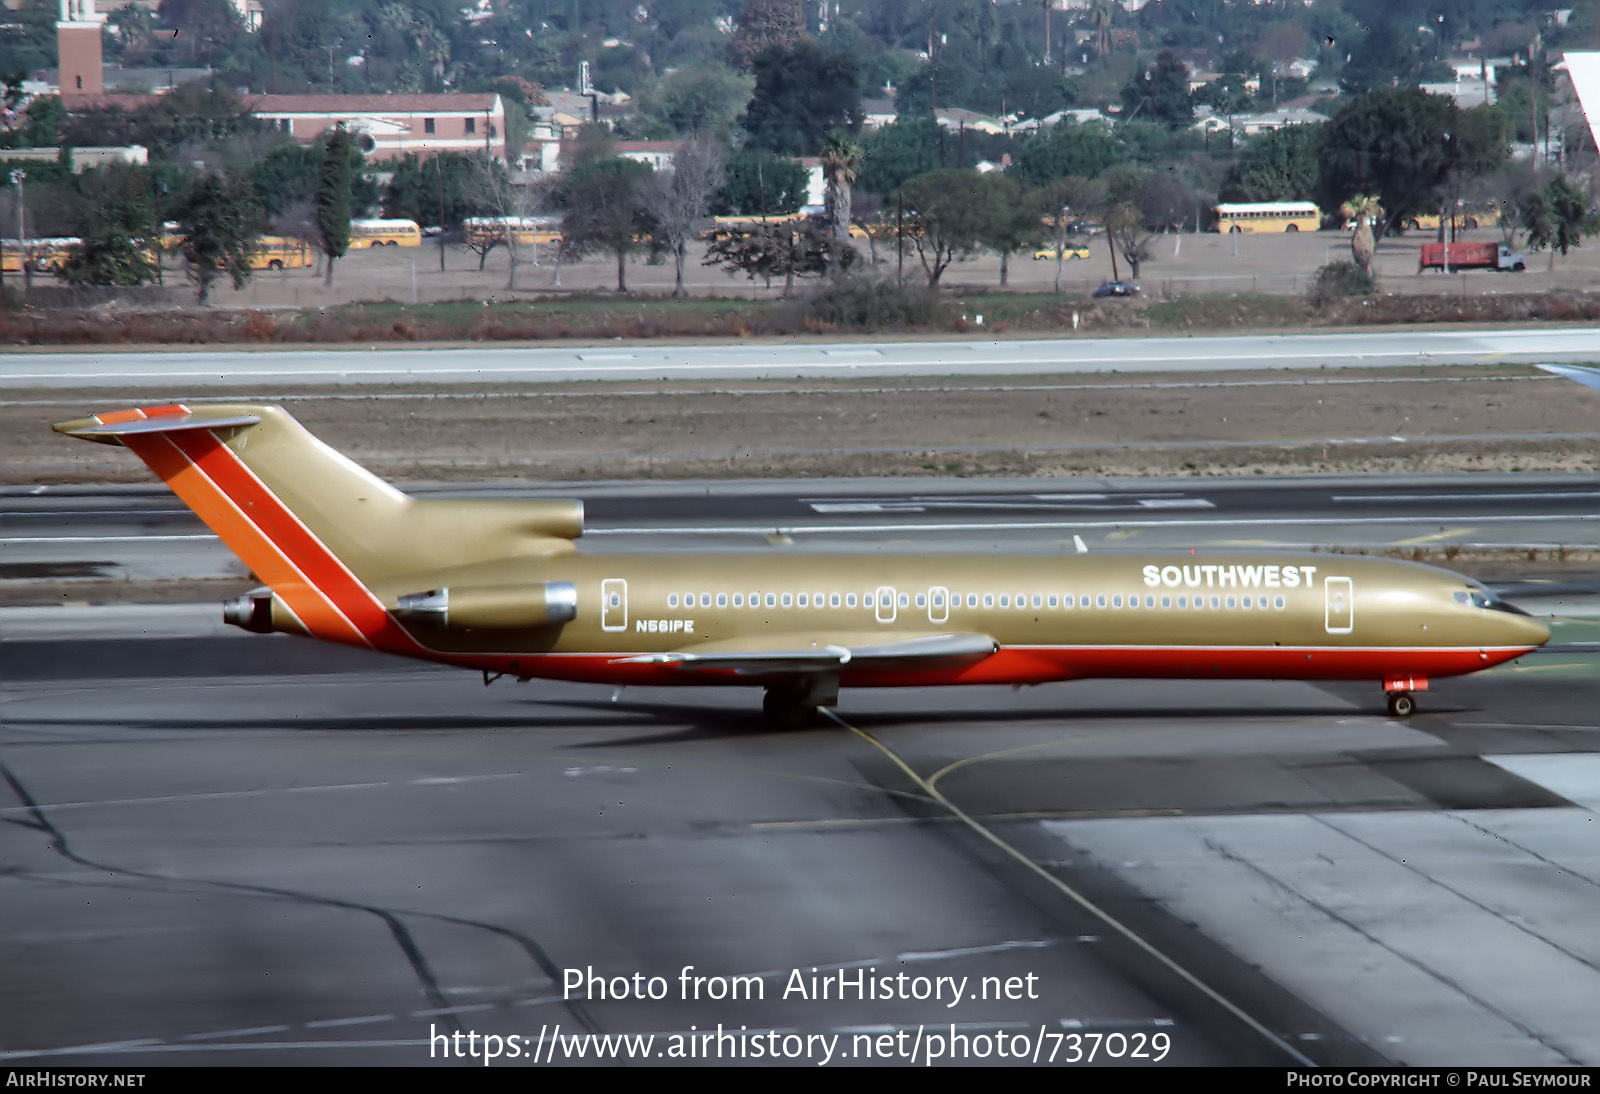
[78,42]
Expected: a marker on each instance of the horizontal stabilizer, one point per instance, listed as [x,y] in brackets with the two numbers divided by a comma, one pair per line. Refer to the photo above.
[110,428]
[790,654]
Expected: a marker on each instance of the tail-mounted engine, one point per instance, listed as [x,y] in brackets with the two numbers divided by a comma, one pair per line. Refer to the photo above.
[491,607]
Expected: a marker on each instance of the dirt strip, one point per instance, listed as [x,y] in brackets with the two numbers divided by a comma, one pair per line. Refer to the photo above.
[1444,419]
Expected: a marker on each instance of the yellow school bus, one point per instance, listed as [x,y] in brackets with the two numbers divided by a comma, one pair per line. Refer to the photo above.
[543,230]
[1464,219]
[50,255]
[279,253]
[1269,216]
[384,233]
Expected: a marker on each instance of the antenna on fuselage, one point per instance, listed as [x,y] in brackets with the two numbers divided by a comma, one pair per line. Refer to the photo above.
[1077,541]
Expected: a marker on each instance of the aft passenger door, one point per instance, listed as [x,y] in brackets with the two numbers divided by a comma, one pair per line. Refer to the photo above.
[1339,594]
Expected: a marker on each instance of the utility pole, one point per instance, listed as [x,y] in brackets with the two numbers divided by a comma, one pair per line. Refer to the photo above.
[17,175]
[438,162]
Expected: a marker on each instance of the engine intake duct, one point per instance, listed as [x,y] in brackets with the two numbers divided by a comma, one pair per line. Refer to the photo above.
[252,611]
[491,607]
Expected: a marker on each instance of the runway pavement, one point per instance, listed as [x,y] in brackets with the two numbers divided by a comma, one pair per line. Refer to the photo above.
[227,848]
[185,369]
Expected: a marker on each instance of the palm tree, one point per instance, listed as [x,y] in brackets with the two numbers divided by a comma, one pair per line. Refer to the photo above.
[1100,12]
[841,160]
[1363,209]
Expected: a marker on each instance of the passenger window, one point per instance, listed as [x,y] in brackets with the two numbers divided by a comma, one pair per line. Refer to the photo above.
[722,600]
[1083,601]
[1216,602]
[867,601]
[1037,602]
[1277,602]
[705,600]
[1183,602]
[1245,603]
[772,601]
[1261,602]
[850,600]
[672,600]
[738,600]
[921,600]
[1005,602]
[1133,602]
[833,601]
[988,600]
[816,600]
[1052,600]
[1230,603]
[803,600]
[903,600]
[1166,601]
[1100,600]
[787,600]
[972,600]
[1116,601]
[1149,601]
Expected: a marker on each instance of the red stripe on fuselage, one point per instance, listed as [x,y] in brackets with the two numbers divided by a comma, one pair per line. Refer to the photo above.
[1038,665]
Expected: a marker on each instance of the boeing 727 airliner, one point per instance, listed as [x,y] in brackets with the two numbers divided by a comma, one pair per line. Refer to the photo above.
[500,587]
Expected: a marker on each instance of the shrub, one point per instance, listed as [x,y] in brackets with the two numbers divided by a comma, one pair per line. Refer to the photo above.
[1340,279]
[867,302]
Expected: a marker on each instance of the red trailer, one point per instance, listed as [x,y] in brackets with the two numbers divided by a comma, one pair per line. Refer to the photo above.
[1469,256]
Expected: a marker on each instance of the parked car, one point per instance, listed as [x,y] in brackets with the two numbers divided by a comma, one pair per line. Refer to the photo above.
[1117,288]
[1071,250]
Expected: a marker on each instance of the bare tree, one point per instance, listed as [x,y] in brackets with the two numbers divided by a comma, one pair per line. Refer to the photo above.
[679,199]
[512,202]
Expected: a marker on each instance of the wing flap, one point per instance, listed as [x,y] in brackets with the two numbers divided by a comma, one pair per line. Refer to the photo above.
[788,655]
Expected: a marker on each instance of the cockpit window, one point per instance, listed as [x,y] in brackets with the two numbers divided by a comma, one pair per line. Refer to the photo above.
[1479,597]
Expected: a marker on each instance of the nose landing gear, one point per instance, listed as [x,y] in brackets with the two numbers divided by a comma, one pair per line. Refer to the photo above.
[1399,690]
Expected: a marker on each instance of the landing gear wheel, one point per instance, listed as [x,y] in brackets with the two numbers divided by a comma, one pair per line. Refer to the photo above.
[1401,704]
[786,708]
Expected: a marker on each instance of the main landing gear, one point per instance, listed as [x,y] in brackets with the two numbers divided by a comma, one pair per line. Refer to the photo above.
[792,704]
[1399,690]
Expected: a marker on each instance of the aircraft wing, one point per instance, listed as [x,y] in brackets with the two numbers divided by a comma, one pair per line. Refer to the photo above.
[792,654]
[1590,377]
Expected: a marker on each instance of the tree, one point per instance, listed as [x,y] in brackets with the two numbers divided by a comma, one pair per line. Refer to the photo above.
[435,191]
[1279,165]
[1060,204]
[761,25]
[1067,149]
[119,227]
[1163,90]
[507,202]
[1556,217]
[1384,56]
[789,249]
[1364,210]
[605,210]
[333,199]
[901,150]
[1126,230]
[841,160]
[802,93]
[218,219]
[761,183]
[695,99]
[1011,222]
[1397,144]
[680,197]
[954,210]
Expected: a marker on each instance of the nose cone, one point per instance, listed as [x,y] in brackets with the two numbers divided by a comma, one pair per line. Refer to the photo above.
[1525,630]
